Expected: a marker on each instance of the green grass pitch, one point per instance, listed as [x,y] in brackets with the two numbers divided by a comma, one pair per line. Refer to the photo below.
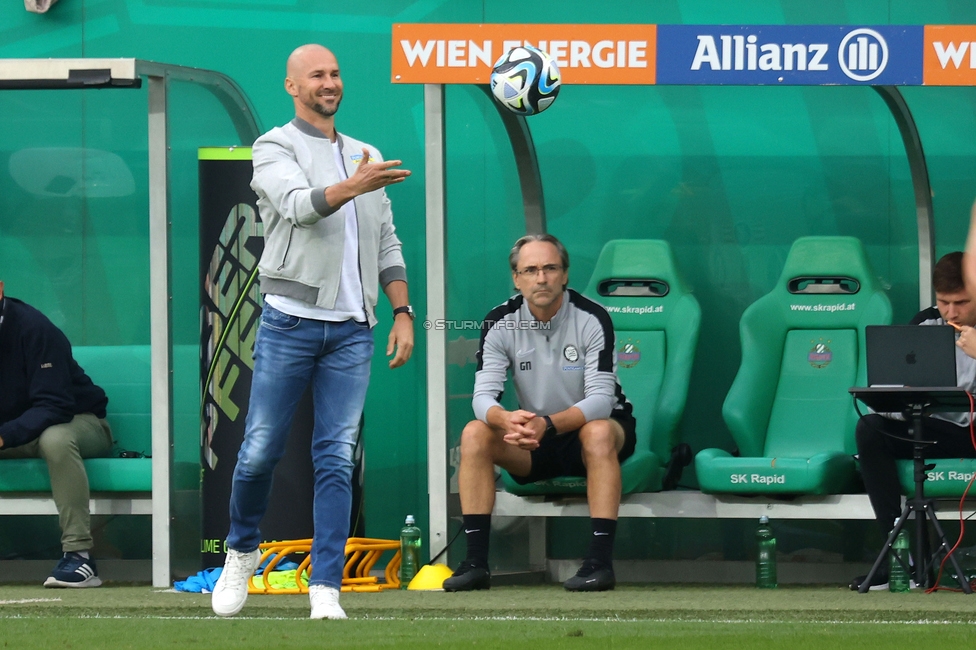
[537,617]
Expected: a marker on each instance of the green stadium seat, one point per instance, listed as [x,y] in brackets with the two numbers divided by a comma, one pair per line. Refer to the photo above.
[949,477]
[123,372]
[655,319]
[789,410]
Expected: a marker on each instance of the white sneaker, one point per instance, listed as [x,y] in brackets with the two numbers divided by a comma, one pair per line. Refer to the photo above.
[325,602]
[230,592]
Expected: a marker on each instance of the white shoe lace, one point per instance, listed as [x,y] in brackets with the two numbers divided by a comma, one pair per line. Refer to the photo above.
[237,568]
[230,592]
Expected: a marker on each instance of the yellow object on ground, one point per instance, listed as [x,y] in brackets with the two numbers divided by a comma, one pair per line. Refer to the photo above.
[431,577]
[278,580]
[362,554]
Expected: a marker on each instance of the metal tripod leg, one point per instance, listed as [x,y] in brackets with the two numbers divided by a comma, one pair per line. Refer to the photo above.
[926,400]
[899,524]
[943,546]
[924,510]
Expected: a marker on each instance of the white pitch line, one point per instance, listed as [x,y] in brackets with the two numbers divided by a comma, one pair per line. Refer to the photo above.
[29,600]
[551,619]
[736,621]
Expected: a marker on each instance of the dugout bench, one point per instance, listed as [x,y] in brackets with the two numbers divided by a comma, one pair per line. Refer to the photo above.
[788,409]
[119,486]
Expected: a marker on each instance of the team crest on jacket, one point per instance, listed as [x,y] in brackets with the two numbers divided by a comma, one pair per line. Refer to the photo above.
[820,355]
[628,354]
[570,353]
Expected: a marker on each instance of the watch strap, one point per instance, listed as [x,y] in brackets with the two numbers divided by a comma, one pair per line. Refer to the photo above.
[550,427]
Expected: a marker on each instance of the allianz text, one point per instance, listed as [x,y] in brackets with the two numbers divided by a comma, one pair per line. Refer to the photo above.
[738,52]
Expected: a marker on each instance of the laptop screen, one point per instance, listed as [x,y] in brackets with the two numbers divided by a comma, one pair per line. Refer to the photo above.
[911,355]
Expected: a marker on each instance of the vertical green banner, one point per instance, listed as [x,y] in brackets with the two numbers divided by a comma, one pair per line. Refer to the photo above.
[231,242]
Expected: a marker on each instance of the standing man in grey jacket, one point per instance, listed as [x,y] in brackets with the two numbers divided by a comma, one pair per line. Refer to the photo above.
[329,241]
[572,420]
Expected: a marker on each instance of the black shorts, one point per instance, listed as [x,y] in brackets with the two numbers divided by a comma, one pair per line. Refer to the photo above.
[562,454]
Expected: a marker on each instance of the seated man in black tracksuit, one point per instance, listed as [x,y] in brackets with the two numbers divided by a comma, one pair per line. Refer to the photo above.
[881,439]
[50,409]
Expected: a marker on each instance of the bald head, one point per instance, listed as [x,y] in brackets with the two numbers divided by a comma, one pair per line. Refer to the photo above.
[299,60]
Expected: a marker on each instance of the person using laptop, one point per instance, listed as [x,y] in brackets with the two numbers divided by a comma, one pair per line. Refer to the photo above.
[884,438]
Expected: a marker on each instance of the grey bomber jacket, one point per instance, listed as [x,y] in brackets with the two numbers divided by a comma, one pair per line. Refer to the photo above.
[303,241]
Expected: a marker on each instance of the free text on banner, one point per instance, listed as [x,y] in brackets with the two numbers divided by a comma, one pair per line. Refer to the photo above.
[950,55]
[465,53]
[745,55]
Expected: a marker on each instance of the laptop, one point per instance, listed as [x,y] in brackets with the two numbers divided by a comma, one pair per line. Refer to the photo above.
[911,355]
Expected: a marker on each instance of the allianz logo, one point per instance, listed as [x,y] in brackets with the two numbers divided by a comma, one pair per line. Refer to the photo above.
[763,479]
[862,55]
[948,476]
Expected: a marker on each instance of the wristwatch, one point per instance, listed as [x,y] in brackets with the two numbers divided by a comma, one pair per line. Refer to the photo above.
[550,427]
[406,309]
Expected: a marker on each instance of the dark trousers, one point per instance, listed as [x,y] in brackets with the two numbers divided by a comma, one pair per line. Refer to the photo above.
[877,450]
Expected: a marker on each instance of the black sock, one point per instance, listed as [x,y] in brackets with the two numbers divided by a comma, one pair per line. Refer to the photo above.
[601,543]
[476,529]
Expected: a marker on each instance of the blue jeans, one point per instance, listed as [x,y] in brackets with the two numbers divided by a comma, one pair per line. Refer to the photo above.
[288,353]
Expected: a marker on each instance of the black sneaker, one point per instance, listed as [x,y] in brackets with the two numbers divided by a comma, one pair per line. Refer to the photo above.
[75,571]
[468,577]
[592,576]
[879,581]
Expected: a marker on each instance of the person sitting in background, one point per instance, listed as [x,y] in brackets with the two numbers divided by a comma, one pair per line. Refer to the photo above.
[573,418]
[884,438]
[50,409]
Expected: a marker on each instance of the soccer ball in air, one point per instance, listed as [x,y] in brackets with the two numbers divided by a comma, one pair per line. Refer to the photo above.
[525,80]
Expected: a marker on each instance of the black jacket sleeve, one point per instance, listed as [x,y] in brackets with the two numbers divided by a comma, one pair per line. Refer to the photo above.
[47,373]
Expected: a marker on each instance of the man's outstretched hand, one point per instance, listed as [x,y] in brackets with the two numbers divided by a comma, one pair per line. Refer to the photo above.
[373,176]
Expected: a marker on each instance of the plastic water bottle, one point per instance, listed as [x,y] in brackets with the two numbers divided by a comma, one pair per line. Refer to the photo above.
[898,578]
[409,551]
[765,555]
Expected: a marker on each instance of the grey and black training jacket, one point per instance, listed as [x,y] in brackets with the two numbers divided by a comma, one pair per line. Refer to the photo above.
[569,361]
